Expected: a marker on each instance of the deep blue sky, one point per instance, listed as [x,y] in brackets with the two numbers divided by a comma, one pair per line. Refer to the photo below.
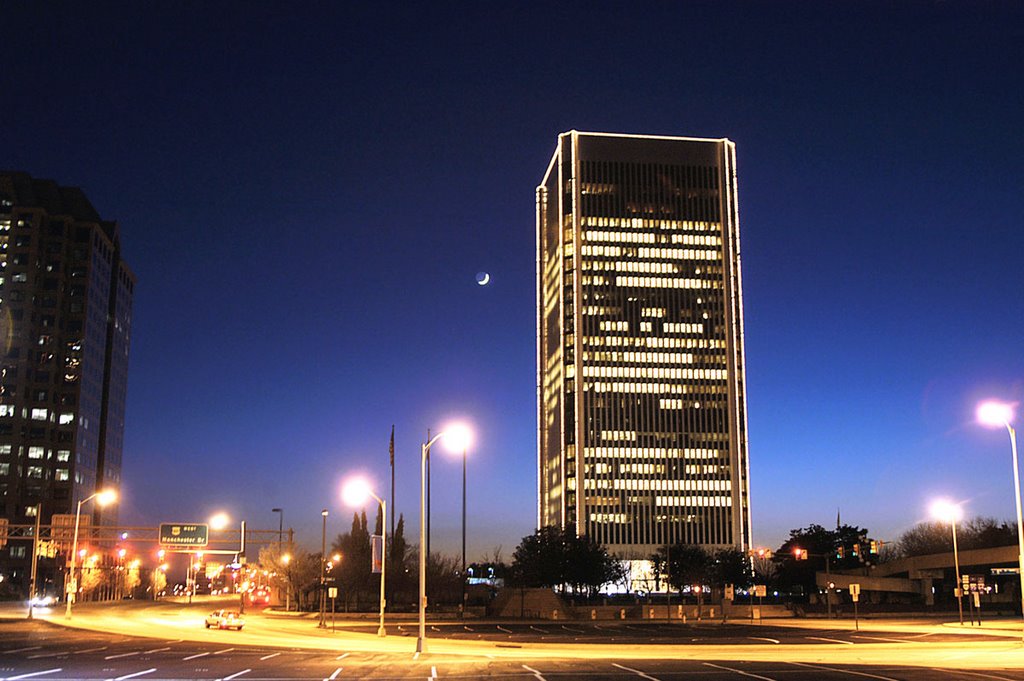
[306,191]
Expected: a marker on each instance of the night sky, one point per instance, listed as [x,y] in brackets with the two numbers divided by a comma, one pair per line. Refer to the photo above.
[306,192]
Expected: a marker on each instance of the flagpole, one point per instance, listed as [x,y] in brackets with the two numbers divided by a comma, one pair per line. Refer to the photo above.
[391,453]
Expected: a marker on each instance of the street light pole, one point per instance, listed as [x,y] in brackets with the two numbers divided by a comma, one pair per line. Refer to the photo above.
[323,582]
[383,559]
[999,414]
[1020,522]
[354,493]
[421,639]
[280,528]
[71,590]
[35,560]
[462,608]
[947,511]
[956,568]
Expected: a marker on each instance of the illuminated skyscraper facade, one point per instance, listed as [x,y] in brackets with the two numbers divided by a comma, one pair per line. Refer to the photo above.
[642,437]
[65,327]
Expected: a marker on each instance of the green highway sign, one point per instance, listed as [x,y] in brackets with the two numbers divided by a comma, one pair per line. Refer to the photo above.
[187,535]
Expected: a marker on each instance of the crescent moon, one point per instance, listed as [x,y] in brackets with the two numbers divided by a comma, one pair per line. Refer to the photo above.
[484,280]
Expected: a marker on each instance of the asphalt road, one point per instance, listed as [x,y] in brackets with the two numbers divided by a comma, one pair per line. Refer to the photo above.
[639,633]
[39,650]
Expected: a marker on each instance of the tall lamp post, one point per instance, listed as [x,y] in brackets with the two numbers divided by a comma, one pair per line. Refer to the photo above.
[457,438]
[323,565]
[949,512]
[280,528]
[354,493]
[103,498]
[995,414]
[462,608]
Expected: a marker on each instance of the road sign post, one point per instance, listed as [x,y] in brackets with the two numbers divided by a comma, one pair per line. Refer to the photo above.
[855,595]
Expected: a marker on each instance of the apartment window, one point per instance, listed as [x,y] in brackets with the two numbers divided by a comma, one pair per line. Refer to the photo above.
[63,454]
[66,418]
[61,474]
[17,551]
[39,414]
[35,452]
[5,469]
[35,472]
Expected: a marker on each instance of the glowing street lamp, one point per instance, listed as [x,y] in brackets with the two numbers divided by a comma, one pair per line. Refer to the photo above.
[219,521]
[457,438]
[103,498]
[993,413]
[948,512]
[355,493]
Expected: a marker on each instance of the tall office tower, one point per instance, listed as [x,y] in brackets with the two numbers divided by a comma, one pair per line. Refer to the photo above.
[65,325]
[642,436]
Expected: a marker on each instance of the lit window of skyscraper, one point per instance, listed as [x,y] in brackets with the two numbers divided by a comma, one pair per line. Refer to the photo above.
[642,436]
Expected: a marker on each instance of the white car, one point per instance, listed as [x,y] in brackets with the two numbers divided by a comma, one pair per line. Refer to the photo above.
[225,619]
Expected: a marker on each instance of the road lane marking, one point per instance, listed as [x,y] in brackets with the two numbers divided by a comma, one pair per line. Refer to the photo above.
[433,672]
[507,631]
[984,676]
[892,640]
[132,676]
[466,628]
[536,674]
[334,675]
[42,655]
[739,671]
[842,671]
[236,675]
[114,657]
[830,640]
[762,638]
[635,671]
[226,650]
[89,650]
[342,656]
[155,650]
[575,631]
[31,674]
[267,657]
[536,629]
[416,655]
[22,650]
[192,657]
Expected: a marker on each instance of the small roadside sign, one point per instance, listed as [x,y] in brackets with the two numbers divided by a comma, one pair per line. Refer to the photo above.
[760,590]
[730,592]
[855,592]
[332,592]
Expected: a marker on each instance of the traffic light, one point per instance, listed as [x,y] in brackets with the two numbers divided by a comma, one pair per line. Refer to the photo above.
[874,546]
[800,554]
[855,551]
[841,552]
